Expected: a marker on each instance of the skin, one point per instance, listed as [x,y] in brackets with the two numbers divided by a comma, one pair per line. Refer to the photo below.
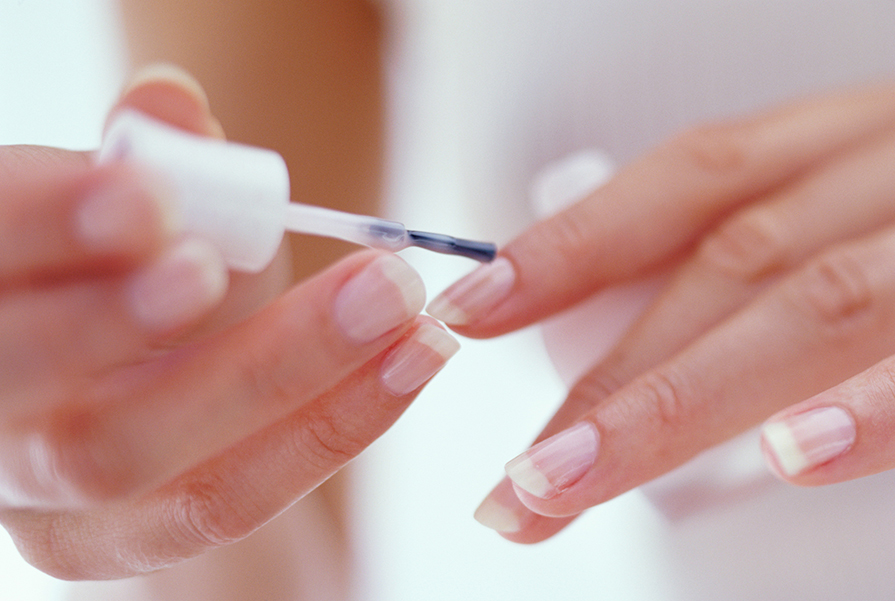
[778,229]
[792,283]
[105,472]
[302,78]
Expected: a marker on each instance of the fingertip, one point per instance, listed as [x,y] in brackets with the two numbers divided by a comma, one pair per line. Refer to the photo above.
[474,296]
[556,464]
[123,211]
[180,287]
[503,512]
[795,444]
[170,93]
[170,73]
[417,359]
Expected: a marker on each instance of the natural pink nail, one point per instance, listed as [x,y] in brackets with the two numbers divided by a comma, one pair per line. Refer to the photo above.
[475,295]
[384,295]
[555,464]
[179,287]
[801,442]
[417,359]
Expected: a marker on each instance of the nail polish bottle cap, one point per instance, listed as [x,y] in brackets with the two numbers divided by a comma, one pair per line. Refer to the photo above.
[231,194]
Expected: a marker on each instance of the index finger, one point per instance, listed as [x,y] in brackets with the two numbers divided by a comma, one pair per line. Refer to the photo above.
[654,209]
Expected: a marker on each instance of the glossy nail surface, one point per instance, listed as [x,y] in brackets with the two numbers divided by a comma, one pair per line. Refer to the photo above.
[417,359]
[804,441]
[384,295]
[113,214]
[475,295]
[502,511]
[555,464]
[180,286]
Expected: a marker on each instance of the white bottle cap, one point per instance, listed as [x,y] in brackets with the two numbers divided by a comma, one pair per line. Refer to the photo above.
[231,194]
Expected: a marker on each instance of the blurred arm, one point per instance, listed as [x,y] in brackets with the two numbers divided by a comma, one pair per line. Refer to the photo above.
[301,77]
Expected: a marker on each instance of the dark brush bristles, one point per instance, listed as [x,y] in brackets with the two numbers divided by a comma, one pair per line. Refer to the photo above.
[480,251]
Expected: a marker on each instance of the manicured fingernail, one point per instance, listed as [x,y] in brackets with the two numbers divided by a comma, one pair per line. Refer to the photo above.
[386,294]
[120,211]
[173,76]
[555,464]
[167,72]
[502,510]
[417,359]
[180,286]
[473,296]
[804,441]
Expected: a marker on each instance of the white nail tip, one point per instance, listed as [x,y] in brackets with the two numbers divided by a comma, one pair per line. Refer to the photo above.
[785,448]
[526,475]
[497,517]
[807,440]
[416,360]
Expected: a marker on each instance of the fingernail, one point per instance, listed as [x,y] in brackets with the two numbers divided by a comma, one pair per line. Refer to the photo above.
[502,510]
[180,79]
[120,210]
[473,296]
[555,464]
[180,286]
[804,441]
[170,73]
[417,359]
[386,294]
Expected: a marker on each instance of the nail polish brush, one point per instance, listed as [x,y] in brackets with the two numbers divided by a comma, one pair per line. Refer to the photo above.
[237,196]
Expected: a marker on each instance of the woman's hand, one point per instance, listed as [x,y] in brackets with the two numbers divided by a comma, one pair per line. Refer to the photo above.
[150,411]
[780,235]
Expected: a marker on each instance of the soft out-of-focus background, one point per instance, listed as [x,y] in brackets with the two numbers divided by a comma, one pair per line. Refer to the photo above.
[61,66]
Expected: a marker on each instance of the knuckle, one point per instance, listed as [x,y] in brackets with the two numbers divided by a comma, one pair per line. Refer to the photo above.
[879,389]
[326,440]
[202,517]
[668,398]
[748,247]
[596,385]
[713,149]
[837,293]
